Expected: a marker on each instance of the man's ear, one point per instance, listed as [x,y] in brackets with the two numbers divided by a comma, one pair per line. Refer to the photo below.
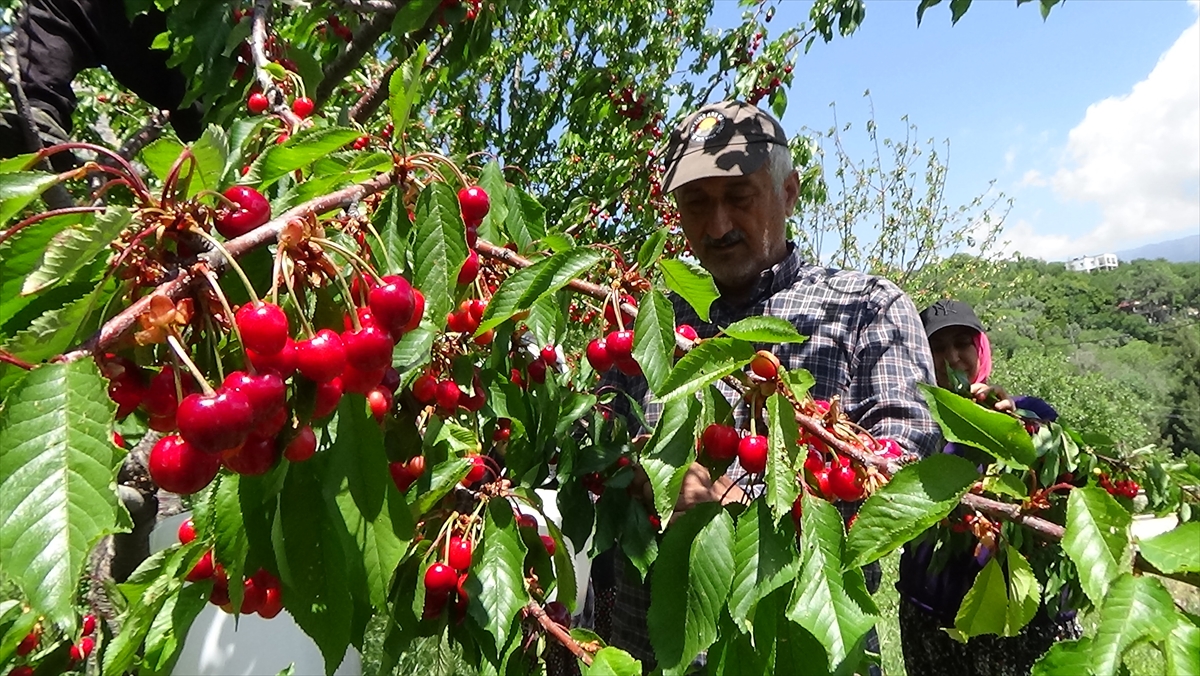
[791,192]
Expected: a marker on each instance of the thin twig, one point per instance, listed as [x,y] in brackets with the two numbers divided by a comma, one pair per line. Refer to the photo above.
[258,40]
[554,629]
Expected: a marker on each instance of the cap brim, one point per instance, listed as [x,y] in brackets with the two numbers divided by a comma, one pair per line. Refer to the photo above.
[730,159]
[946,321]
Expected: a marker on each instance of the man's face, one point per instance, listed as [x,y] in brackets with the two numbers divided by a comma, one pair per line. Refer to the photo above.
[736,224]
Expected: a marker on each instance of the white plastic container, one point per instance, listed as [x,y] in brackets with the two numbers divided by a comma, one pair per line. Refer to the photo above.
[583,564]
[219,645]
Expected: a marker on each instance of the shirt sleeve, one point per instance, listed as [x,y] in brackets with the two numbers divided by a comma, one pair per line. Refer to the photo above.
[892,355]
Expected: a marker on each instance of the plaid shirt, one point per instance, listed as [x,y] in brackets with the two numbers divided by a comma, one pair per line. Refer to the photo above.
[865,345]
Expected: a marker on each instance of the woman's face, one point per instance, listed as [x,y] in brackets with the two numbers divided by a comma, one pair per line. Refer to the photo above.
[954,348]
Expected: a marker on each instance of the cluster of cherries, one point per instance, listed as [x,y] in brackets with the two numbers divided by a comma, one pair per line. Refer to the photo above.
[80,650]
[616,348]
[446,578]
[1121,488]
[262,593]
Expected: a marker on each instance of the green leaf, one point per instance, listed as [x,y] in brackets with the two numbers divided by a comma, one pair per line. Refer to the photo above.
[491,179]
[57,468]
[300,151]
[76,247]
[612,662]
[765,559]
[524,287]
[691,580]
[1005,484]
[1182,649]
[654,338]
[578,512]
[707,363]
[160,155]
[441,248]
[136,623]
[917,497]
[22,254]
[979,612]
[670,452]
[693,283]
[837,613]
[232,544]
[1096,539]
[1066,658]
[312,563]
[405,85]
[1176,551]
[783,447]
[957,9]
[764,330]
[1135,609]
[497,584]
[20,188]
[164,639]
[412,16]
[1024,592]
[210,153]
[445,477]
[56,331]
[525,220]
[391,221]
[651,250]
[965,422]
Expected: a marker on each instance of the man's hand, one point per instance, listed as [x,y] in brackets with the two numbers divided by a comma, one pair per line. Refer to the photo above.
[698,487]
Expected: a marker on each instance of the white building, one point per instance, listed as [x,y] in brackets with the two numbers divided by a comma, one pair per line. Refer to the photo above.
[1089,263]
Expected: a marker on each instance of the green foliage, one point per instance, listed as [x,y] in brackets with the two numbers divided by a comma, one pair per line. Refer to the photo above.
[1096,539]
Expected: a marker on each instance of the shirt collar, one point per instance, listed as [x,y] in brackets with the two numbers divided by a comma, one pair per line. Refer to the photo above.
[778,277]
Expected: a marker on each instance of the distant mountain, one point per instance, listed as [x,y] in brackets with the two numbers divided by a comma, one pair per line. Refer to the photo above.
[1183,250]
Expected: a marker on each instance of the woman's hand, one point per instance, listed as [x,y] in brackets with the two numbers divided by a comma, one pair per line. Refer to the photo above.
[984,393]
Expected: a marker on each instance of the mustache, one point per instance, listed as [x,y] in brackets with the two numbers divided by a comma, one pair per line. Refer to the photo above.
[732,237]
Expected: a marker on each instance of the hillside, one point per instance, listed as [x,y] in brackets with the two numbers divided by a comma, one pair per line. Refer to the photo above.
[1182,250]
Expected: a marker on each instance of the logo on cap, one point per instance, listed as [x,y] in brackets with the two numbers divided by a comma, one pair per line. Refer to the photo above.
[707,126]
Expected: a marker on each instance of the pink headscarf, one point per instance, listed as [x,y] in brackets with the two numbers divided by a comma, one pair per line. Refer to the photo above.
[984,349]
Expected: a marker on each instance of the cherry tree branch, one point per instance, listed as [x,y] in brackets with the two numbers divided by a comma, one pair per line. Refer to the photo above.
[258,40]
[369,6]
[115,328]
[377,93]
[554,629]
[360,45]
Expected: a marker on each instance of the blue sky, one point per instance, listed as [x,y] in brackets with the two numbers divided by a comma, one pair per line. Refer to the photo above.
[1089,120]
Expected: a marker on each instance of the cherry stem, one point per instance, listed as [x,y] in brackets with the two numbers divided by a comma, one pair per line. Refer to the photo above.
[220,293]
[173,175]
[443,160]
[228,203]
[287,277]
[41,217]
[614,298]
[210,333]
[139,186]
[350,255]
[181,352]
[10,358]
[348,301]
[275,273]
[387,259]
[232,263]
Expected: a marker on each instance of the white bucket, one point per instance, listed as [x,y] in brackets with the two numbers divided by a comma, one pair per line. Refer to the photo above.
[583,565]
[217,645]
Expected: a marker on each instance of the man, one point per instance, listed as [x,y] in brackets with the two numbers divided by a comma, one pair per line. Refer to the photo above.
[730,170]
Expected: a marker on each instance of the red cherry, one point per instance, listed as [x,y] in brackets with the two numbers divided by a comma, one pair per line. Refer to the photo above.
[329,394]
[257,103]
[265,391]
[720,442]
[81,650]
[597,355]
[752,453]
[460,555]
[391,379]
[823,484]
[401,476]
[537,370]
[458,322]
[272,602]
[476,308]
[253,210]
[798,510]
[470,269]
[283,362]
[380,402]
[477,472]
[255,457]
[368,348]
[629,367]
[424,389]
[765,365]
[501,434]
[550,354]
[302,446]
[161,399]
[474,203]
[594,483]
[203,569]
[551,547]
[29,643]
[476,401]
[440,579]
[845,484]
[89,624]
[264,327]
[393,302]
[177,467]
[253,596]
[355,380]
[687,332]
[128,391]
[187,531]
[220,595]
[303,107]
[814,462]
[486,337]
[21,670]
[417,313]
[620,345]
[215,422]
[610,314]
[526,521]
[322,357]
[447,395]
[888,448]
[469,316]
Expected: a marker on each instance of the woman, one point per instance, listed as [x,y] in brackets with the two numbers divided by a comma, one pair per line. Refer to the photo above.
[933,585]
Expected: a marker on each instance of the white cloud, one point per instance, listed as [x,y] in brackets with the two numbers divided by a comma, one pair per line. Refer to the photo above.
[1033,177]
[1136,156]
